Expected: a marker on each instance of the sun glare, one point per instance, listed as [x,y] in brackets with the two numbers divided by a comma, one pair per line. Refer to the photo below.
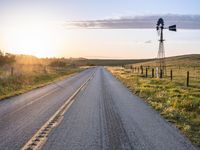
[34,38]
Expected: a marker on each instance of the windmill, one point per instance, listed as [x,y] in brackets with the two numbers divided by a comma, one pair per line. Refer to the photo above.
[161,51]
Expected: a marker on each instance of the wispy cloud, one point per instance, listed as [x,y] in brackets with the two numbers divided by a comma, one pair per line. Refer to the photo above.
[182,21]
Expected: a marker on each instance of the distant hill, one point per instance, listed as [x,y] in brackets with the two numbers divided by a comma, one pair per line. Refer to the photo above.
[181,60]
[186,60]
[109,62]
[189,60]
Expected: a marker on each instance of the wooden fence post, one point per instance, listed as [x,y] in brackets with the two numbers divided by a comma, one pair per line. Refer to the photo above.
[161,73]
[171,75]
[152,72]
[141,69]
[188,76]
[146,72]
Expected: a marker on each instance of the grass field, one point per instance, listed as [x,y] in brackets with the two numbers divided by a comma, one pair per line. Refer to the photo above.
[20,83]
[176,102]
[179,66]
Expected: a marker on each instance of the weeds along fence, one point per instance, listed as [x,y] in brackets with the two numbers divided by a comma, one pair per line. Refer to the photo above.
[18,70]
[182,75]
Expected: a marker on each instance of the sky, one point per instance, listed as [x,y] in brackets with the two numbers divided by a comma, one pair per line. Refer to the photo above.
[36,27]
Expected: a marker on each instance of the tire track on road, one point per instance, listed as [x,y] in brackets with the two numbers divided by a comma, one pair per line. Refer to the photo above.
[116,134]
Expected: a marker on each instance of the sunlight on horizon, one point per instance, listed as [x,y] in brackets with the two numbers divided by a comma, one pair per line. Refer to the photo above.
[33,37]
[39,28]
[43,38]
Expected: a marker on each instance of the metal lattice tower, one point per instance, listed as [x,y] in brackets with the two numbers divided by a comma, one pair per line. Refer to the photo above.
[161,51]
[161,57]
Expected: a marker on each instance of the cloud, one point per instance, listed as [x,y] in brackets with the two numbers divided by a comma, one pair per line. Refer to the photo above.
[182,22]
[147,42]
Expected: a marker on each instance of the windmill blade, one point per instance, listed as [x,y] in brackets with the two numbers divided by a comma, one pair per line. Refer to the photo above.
[160,26]
[160,22]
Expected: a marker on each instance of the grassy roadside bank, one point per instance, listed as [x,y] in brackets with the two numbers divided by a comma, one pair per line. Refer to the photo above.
[14,85]
[175,102]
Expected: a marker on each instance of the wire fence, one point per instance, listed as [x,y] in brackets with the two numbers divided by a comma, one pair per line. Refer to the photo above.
[183,75]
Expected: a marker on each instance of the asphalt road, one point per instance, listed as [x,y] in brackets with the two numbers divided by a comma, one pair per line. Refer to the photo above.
[21,116]
[106,116]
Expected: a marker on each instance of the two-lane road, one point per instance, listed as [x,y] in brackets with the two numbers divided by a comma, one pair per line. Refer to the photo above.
[104,116]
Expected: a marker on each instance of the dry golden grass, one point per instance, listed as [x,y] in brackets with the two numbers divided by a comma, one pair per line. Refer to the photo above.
[32,77]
